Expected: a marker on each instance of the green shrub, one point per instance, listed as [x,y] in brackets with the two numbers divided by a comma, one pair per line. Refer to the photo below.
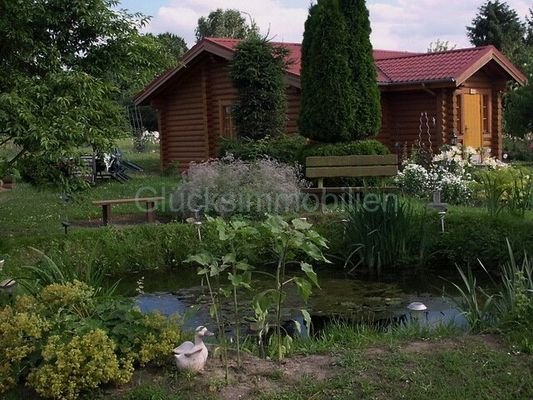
[471,236]
[83,363]
[229,187]
[340,95]
[284,148]
[258,71]
[519,149]
[507,189]
[361,147]
[68,339]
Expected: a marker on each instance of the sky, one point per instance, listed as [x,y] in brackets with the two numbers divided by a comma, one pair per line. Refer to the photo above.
[396,24]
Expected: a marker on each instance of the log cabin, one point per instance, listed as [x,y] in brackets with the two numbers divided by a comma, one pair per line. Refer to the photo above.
[439,97]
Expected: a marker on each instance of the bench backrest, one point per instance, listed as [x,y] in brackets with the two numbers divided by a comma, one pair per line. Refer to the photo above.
[351,166]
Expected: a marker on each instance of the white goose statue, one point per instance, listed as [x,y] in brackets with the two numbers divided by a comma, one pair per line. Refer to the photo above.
[193,356]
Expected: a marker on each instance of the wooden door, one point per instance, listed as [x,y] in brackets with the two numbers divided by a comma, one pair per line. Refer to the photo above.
[473,120]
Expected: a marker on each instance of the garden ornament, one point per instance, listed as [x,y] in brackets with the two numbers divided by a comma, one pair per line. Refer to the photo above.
[8,285]
[417,306]
[193,356]
[416,309]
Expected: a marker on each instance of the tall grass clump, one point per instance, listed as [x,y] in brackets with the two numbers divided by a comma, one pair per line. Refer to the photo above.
[506,306]
[46,272]
[382,232]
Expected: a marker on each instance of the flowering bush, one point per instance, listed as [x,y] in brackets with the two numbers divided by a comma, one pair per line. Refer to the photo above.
[85,362]
[230,186]
[450,172]
[67,340]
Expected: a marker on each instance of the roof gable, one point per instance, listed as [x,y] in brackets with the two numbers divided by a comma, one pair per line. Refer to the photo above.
[393,67]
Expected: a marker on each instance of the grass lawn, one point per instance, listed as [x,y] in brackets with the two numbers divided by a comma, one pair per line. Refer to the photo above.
[29,211]
[382,367]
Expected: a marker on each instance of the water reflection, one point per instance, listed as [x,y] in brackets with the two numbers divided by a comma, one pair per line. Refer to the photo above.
[359,299]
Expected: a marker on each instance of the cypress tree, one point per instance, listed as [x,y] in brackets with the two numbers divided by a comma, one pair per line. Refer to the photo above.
[368,105]
[258,71]
[340,96]
[328,96]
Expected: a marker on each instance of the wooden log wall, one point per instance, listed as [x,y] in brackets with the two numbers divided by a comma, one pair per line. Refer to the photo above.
[404,113]
[293,109]
[183,129]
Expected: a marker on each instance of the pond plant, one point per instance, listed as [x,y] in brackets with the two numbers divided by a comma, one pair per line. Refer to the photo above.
[506,306]
[288,242]
[239,276]
[382,232]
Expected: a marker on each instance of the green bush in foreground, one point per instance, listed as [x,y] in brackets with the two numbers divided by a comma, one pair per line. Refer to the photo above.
[67,340]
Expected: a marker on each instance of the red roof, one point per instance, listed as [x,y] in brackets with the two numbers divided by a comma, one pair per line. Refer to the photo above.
[393,67]
[295,52]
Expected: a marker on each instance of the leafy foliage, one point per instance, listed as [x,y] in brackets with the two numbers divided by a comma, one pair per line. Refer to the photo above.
[440,45]
[66,69]
[284,148]
[289,241]
[340,96]
[499,25]
[360,147]
[225,24]
[257,72]
[69,339]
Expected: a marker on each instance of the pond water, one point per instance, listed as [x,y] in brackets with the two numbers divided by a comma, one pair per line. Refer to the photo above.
[355,298]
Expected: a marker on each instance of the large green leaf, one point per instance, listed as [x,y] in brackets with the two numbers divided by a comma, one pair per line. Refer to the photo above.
[311,274]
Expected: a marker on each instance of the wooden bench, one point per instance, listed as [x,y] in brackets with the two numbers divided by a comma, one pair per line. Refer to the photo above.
[349,166]
[149,202]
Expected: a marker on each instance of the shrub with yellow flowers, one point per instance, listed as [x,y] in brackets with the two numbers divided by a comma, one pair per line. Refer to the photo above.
[67,340]
[71,368]
[21,334]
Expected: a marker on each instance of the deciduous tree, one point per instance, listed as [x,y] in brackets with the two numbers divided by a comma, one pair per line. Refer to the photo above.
[65,68]
[225,23]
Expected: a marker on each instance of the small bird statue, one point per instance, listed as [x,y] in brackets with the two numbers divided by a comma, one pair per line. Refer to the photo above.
[193,356]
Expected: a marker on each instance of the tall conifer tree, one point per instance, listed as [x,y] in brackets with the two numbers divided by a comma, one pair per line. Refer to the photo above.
[340,96]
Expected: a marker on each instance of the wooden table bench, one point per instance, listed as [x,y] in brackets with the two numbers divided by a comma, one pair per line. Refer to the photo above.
[149,202]
[349,166]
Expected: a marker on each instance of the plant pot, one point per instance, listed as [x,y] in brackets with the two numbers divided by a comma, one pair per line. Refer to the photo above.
[7,182]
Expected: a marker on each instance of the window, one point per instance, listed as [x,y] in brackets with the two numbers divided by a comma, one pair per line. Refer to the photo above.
[227,128]
[485,114]
[458,114]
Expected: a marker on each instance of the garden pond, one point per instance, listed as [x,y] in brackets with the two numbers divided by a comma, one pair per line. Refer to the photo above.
[355,298]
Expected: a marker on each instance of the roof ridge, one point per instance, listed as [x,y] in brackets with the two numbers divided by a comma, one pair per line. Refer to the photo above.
[466,49]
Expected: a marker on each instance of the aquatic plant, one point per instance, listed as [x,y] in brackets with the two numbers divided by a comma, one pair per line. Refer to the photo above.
[234,234]
[508,305]
[381,233]
[290,241]
[47,272]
